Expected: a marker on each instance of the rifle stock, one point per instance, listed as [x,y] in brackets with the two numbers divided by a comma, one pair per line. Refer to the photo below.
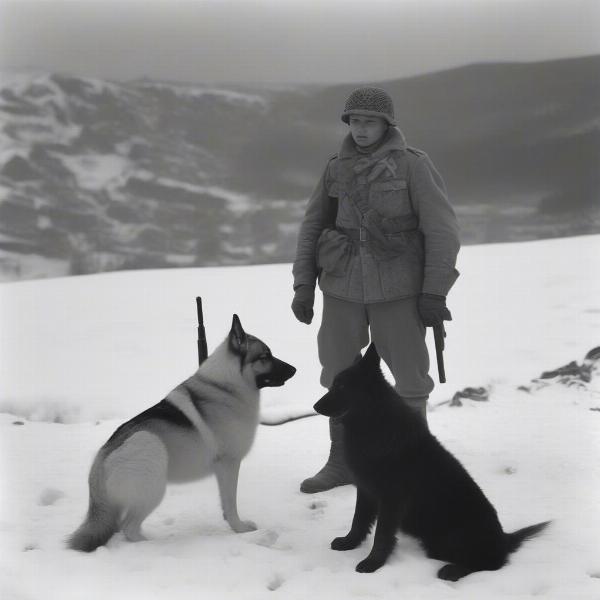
[439,333]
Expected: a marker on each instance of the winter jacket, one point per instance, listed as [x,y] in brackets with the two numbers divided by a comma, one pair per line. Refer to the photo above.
[395,234]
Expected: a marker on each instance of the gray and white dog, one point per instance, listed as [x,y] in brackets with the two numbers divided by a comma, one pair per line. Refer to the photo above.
[205,425]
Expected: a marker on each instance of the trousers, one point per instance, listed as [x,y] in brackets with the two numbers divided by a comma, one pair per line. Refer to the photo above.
[397,331]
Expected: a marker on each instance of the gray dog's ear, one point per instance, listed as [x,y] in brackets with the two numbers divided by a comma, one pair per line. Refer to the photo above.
[237,337]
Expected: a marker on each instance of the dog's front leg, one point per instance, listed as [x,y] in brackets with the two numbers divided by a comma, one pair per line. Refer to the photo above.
[364,515]
[227,471]
[385,538]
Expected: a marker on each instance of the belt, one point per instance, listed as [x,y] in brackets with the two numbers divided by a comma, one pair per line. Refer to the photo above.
[362,234]
[357,235]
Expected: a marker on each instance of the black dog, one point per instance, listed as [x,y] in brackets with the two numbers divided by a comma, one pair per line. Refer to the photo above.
[409,482]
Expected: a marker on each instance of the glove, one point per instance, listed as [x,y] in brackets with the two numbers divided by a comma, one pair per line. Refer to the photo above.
[302,305]
[432,309]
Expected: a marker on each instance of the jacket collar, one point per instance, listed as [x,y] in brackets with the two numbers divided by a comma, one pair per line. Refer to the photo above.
[393,140]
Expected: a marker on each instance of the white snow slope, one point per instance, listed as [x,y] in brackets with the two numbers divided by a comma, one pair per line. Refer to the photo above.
[80,355]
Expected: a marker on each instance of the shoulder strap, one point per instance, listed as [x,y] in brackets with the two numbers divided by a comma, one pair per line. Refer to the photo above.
[416,151]
[331,209]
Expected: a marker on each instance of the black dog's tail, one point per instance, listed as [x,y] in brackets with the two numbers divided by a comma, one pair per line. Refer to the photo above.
[516,538]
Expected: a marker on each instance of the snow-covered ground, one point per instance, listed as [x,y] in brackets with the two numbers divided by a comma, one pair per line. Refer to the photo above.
[79,355]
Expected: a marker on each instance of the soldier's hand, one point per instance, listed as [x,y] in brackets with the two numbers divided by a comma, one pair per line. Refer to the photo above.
[432,309]
[302,305]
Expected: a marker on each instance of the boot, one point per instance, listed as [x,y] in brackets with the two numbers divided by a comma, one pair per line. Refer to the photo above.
[335,472]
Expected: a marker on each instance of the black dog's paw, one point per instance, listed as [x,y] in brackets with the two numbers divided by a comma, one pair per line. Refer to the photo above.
[369,565]
[344,543]
[452,572]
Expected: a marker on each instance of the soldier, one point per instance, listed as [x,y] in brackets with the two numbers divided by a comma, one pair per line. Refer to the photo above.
[381,238]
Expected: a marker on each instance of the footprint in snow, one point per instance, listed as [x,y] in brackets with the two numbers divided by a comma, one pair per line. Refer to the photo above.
[275,582]
[317,508]
[49,496]
[266,538]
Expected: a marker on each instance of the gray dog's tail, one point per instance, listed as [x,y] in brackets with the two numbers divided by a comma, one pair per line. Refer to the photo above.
[103,517]
[516,538]
[101,522]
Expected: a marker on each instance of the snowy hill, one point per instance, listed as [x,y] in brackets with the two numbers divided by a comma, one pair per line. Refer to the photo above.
[79,355]
[101,176]
[98,176]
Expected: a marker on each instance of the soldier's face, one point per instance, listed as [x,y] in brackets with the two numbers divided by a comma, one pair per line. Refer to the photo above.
[367,130]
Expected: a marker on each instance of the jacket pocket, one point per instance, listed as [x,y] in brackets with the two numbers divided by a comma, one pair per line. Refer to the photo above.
[333,252]
[397,243]
[390,198]
[400,277]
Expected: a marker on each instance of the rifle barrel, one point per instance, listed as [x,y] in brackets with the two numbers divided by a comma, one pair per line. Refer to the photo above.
[202,347]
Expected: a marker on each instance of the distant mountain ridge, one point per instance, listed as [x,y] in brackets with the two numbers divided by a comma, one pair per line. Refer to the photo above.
[98,175]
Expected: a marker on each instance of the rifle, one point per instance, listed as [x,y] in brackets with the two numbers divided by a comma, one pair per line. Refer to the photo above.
[202,348]
[439,333]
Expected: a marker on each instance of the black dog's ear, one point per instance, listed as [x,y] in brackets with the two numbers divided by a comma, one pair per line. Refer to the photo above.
[371,356]
[237,337]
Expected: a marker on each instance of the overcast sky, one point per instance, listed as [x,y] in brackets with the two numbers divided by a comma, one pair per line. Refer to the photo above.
[287,40]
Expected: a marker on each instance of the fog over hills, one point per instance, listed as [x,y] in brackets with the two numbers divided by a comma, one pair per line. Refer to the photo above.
[97,175]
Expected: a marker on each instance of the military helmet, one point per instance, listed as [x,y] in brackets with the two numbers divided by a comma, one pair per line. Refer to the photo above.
[369,101]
